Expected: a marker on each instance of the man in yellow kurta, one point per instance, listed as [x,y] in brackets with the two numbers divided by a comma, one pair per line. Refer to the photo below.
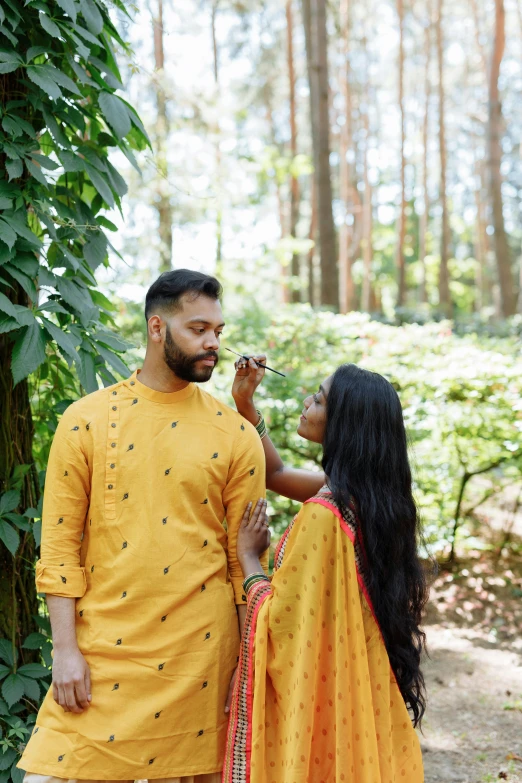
[139,569]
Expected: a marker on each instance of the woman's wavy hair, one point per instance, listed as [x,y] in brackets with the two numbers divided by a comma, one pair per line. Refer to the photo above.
[365,459]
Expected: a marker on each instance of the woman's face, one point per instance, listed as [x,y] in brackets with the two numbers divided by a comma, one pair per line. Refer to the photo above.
[313,419]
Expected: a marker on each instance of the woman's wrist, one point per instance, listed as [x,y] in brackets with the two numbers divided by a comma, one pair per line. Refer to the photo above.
[248,411]
[250,564]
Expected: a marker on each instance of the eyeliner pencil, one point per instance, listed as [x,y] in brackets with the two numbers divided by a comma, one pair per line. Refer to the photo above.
[264,366]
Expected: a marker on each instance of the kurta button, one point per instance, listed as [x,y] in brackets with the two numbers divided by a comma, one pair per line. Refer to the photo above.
[114,408]
[113,465]
[133,383]
[113,445]
[114,394]
[113,425]
[110,486]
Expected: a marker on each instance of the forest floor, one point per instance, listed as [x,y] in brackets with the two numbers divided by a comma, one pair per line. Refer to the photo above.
[472,731]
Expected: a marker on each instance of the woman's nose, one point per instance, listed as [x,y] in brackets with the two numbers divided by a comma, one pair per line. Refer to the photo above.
[308,402]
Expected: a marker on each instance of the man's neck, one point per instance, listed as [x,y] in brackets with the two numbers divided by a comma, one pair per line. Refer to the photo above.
[160,377]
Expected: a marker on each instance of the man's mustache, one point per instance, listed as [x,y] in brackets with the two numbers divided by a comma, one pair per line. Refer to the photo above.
[208,355]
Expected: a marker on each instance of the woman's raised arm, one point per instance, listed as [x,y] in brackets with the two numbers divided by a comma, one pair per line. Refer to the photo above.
[294,483]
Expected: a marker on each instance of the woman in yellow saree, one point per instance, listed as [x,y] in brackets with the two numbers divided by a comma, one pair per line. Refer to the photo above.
[329,662]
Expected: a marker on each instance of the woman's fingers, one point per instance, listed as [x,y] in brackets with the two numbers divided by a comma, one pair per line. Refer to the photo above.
[258,514]
[246,515]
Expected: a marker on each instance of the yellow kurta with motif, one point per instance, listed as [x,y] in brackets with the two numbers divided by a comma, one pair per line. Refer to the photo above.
[316,700]
[138,485]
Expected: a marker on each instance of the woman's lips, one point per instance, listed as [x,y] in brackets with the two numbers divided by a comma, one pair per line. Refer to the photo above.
[303,417]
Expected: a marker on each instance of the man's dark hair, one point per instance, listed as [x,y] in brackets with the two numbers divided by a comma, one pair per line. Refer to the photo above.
[166,292]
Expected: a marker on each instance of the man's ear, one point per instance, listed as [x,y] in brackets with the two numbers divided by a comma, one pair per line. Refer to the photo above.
[155,328]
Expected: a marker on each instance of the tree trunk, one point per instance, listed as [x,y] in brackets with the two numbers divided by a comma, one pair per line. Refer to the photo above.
[444,291]
[347,298]
[18,602]
[218,159]
[162,204]
[367,300]
[314,19]
[312,237]
[401,228]
[294,183]
[494,132]
[424,218]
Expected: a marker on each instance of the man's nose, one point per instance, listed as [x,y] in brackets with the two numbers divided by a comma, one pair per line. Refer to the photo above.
[211,342]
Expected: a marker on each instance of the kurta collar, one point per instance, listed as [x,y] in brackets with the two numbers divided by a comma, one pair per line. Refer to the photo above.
[135,385]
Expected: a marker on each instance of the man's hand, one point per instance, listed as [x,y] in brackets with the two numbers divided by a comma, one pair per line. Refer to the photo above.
[71,680]
[231,691]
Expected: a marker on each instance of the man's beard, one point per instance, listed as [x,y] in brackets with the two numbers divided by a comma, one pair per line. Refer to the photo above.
[183,365]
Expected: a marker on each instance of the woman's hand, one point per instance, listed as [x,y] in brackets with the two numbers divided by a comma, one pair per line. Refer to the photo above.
[247,378]
[253,538]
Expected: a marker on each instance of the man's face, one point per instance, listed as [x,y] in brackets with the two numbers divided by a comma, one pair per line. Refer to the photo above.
[192,338]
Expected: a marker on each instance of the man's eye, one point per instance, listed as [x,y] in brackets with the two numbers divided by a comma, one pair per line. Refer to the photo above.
[219,334]
[199,331]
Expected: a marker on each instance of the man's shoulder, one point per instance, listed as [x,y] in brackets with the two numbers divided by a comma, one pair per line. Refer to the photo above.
[221,409]
[92,404]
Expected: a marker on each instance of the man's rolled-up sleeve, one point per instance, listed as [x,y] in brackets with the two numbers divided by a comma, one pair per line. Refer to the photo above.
[246,483]
[66,501]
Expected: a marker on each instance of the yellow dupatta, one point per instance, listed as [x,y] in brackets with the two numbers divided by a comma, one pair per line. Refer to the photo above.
[315,699]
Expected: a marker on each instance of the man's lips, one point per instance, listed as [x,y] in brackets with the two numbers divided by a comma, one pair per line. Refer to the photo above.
[209,361]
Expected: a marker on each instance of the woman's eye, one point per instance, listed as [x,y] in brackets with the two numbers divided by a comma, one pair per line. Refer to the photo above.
[316,398]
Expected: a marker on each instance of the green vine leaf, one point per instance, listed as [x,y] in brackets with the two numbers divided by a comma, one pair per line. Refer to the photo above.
[9,501]
[9,536]
[12,690]
[28,352]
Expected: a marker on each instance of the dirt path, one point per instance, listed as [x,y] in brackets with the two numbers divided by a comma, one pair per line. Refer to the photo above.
[473,724]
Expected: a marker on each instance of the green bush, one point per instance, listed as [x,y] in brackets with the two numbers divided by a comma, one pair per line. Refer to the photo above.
[461,396]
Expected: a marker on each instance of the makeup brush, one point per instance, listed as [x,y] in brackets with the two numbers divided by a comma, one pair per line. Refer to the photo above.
[264,366]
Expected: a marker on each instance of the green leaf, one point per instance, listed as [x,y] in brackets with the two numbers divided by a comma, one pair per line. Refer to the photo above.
[3,708]
[36,172]
[32,689]
[11,127]
[87,36]
[100,183]
[61,338]
[17,775]
[87,371]
[24,315]
[25,281]
[111,340]
[6,306]
[7,758]
[49,26]
[115,112]
[37,532]
[8,324]
[9,501]
[6,652]
[113,360]
[65,81]
[75,296]
[18,521]
[4,671]
[28,352]
[103,221]
[95,250]
[9,66]
[36,51]
[10,37]
[44,161]
[92,16]
[116,180]
[35,641]
[5,203]
[12,691]
[15,169]
[9,536]
[70,161]
[41,76]
[7,234]
[34,670]
[69,7]
[18,221]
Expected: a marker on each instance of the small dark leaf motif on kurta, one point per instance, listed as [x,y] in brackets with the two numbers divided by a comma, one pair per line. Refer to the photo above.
[200,732]
[81,613]
[204,684]
[60,521]
[66,473]
[158,714]
[215,455]
[75,429]
[164,520]
[205,542]
[203,587]
[92,569]
[174,424]
[205,502]
[37,729]
[64,580]
[166,570]
[151,761]
[61,758]
[124,545]
[243,427]
[219,413]
[163,618]
[116,686]
[252,471]
[88,426]
[111,738]
[131,446]
[168,471]
[207,635]
[126,495]
[118,642]
[160,667]
[124,594]
[135,401]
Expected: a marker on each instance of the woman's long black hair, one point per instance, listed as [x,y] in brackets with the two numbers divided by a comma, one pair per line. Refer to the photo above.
[365,457]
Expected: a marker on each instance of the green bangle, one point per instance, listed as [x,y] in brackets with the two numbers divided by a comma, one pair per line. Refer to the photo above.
[261,426]
[252,578]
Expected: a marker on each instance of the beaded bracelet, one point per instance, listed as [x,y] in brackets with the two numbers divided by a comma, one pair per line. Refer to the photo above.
[261,426]
[251,579]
